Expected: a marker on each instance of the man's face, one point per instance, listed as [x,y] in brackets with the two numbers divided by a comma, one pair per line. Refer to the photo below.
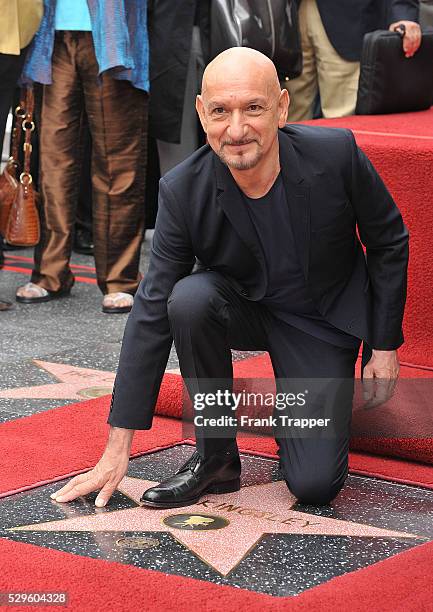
[241,117]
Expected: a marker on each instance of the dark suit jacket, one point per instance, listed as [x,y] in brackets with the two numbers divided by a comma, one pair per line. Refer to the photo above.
[347,21]
[332,189]
[170,26]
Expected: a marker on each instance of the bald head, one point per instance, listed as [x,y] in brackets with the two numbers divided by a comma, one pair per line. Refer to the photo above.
[241,107]
[241,64]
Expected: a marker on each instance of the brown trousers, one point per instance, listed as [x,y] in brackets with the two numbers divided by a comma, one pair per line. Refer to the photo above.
[117,116]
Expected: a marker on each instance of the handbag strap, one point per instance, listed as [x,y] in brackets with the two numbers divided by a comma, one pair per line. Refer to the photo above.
[28,127]
[19,113]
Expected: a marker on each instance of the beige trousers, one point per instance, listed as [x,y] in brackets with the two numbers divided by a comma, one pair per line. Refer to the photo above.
[323,71]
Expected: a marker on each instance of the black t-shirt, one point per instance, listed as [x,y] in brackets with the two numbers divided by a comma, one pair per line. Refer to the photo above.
[287,296]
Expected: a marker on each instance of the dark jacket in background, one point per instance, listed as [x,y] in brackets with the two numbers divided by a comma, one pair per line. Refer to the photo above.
[347,21]
[170,26]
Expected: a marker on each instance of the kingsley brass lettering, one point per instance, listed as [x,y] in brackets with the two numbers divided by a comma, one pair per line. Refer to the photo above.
[205,503]
[229,508]
[253,512]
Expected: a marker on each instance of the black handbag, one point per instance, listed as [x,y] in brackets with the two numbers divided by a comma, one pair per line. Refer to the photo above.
[269,26]
[391,83]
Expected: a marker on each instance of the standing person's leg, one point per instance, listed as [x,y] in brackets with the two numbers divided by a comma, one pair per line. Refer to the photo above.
[83,236]
[61,117]
[117,115]
[315,465]
[171,154]
[303,90]
[10,69]
[338,78]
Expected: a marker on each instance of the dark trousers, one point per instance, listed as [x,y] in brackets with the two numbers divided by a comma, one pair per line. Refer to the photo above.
[10,70]
[117,118]
[208,318]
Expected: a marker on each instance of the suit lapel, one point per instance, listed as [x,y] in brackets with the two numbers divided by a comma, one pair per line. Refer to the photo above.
[297,192]
[298,199]
[229,198]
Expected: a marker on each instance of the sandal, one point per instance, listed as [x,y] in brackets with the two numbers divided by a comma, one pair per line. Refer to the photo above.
[111,301]
[5,305]
[39,294]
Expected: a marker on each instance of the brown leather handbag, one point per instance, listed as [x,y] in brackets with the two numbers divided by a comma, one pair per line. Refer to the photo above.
[19,219]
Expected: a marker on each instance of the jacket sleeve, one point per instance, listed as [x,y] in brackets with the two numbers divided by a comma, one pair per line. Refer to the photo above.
[386,238]
[147,339]
[407,10]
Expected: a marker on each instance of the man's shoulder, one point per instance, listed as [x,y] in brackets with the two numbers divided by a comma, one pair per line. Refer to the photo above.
[318,150]
[195,170]
[313,135]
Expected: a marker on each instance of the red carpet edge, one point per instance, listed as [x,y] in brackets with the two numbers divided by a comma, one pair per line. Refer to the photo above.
[400,583]
[74,437]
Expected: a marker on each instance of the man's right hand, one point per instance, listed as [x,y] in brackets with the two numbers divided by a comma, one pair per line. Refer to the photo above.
[107,473]
[411,35]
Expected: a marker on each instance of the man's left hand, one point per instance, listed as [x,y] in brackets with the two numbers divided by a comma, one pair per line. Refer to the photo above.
[411,38]
[380,377]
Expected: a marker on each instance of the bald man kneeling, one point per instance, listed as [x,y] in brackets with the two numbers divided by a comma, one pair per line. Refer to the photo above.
[257,247]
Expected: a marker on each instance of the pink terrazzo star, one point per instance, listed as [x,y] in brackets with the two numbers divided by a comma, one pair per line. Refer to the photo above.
[250,513]
[75,383]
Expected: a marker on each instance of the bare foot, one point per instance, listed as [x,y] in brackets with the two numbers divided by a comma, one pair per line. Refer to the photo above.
[117,302]
[30,290]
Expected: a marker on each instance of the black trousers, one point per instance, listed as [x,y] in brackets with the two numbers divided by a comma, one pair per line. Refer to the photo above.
[10,70]
[207,319]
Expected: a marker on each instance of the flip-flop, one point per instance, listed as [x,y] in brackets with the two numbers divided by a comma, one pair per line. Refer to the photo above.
[41,294]
[114,298]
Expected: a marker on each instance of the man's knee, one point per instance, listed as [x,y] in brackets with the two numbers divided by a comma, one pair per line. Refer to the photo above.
[315,490]
[192,301]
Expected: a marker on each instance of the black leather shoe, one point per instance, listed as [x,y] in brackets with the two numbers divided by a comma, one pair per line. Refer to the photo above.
[83,241]
[220,473]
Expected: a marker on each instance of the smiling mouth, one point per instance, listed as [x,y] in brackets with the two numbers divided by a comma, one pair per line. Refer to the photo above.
[238,144]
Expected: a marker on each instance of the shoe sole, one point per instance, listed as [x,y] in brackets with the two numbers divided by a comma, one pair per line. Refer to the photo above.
[45,298]
[119,310]
[231,486]
[83,251]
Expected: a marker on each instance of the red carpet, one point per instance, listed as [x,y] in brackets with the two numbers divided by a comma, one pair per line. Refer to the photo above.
[409,420]
[76,435]
[401,148]
[401,583]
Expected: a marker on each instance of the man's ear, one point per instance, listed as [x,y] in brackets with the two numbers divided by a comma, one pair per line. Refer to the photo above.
[199,105]
[283,107]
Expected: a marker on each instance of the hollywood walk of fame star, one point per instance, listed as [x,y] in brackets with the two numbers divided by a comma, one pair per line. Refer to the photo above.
[241,518]
[75,383]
